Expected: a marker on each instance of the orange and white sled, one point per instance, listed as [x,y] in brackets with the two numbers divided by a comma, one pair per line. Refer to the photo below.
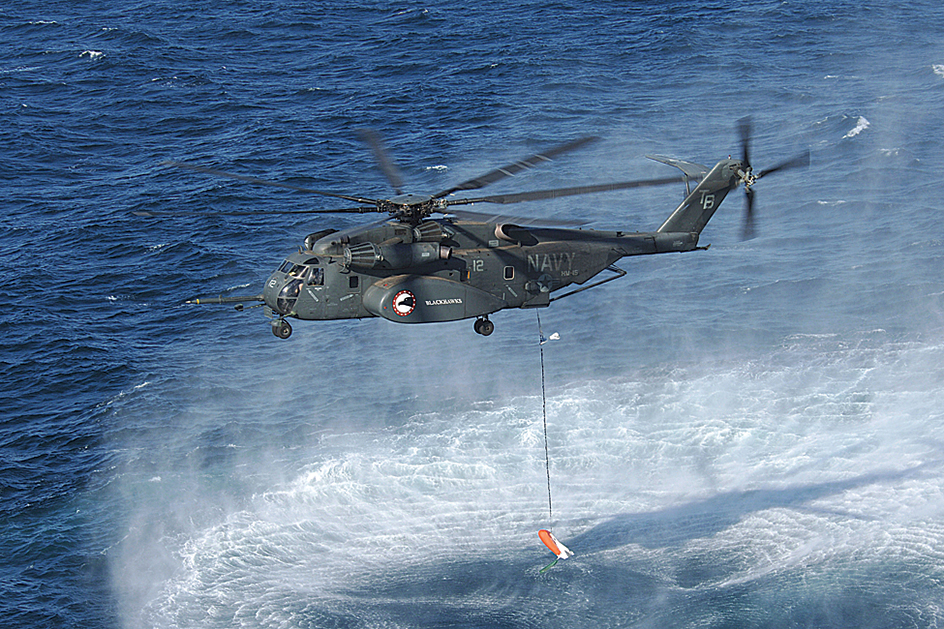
[554,544]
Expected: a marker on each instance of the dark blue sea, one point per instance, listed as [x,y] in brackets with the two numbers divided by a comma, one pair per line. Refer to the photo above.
[748,436]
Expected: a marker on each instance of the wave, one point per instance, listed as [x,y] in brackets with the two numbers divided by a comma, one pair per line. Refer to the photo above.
[861,125]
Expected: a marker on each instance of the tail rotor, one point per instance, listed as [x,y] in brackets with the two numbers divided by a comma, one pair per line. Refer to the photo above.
[749,178]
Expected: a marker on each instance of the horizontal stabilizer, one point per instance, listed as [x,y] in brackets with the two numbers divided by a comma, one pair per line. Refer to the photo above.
[691,169]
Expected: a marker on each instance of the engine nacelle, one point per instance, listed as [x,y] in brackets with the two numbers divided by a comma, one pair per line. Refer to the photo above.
[368,255]
[311,239]
[429,231]
[516,234]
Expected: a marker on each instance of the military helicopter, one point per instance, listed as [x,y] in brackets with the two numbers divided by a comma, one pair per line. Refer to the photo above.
[426,262]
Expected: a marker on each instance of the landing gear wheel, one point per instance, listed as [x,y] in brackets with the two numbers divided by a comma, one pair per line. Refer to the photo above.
[484,327]
[281,329]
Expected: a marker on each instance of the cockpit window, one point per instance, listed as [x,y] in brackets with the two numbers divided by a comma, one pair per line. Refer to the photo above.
[299,271]
[287,297]
[313,276]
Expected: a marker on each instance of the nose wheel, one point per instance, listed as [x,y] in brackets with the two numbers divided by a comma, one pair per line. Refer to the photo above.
[483,326]
[281,328]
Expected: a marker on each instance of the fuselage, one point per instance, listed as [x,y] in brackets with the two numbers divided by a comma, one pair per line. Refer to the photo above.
[447,269]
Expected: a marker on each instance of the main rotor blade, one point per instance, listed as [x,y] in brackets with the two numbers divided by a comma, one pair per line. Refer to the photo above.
[265,182]
[159,213]
[387,165]
[541,195]
[522,221]
[517,167]
[800,161]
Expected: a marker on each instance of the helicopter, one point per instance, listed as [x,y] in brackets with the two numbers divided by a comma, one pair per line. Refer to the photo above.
[426,262]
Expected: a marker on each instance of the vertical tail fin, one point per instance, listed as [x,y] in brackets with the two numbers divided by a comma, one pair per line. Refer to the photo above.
[700,205]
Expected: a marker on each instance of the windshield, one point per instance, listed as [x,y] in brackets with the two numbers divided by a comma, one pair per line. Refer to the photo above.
[299,271]
[287,296]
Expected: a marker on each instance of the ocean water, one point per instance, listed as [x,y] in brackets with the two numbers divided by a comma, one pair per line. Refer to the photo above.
[749,436]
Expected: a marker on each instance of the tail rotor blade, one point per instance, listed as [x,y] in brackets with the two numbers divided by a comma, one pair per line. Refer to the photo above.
[747,232]
[800,161]
[744,129]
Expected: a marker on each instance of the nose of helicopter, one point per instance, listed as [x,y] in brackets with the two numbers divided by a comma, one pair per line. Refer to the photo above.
[271,291]
[281,293]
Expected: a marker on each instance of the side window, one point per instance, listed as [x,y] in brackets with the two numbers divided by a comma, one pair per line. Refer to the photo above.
[317,277]
[509,273]
[354,281]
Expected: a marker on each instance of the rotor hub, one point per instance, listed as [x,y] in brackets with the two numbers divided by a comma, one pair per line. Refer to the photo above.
[747,177]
